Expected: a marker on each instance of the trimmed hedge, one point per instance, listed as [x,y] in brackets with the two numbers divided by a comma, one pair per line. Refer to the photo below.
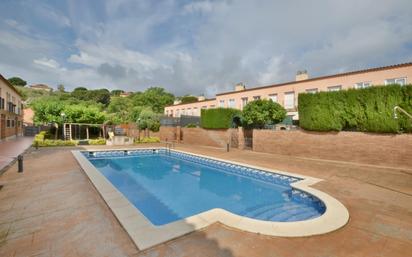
[98,141]
[51,142]
[147,140]
[219,118]
[367,110]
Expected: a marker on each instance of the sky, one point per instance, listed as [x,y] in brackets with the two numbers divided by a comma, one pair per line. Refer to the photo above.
[197,47]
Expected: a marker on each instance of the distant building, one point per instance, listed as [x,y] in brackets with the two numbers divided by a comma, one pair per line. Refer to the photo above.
[28,115]
[286,94]
[11,114]
[41,87]
[125,94]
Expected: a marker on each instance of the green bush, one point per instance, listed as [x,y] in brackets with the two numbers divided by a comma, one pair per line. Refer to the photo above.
[147,140]
[191,125]
[50,142]
[368,110]
[261,112]
[219,118]
[99,141]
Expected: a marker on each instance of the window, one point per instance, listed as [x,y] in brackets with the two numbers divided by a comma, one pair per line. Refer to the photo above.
[362,85]
[244,101]
[400,81]
[8,123]
[171,113]
[273,97]
[256,97]
[12,123]
[212,106]
[195,111]
[334,88]
[289,100]
[167,112]
[183,111]
[177,113]
[204,107]
[189,111]
[312,91]
[222,103]
[232,103]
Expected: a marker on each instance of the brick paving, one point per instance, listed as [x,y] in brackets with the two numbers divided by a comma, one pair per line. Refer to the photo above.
[9,150]
[53,210]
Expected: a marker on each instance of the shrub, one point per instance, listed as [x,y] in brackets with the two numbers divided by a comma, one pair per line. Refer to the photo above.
[369,110]
[147,140]
[99,141]
[219,118]
[261,112]
[50,142]
[191,125]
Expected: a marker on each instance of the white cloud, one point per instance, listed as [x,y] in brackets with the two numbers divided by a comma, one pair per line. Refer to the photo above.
[50,63]
[207,46]
[201,6]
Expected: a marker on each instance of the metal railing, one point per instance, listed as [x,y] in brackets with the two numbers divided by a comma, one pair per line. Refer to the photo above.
[400,110]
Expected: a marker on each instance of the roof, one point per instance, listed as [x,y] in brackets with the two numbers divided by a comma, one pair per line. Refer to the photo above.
[40,86]
[206,100]
[322,77]
[10,85]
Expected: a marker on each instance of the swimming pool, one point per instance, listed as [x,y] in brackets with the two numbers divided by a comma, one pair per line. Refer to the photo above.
[169,186]
[158,194]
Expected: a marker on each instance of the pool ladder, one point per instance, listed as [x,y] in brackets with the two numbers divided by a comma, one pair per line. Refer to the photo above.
[399,109]
[169,145]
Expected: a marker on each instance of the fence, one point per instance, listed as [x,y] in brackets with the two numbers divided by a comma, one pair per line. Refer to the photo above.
[181,121]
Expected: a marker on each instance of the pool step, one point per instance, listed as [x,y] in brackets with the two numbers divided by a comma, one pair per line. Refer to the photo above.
[282,212]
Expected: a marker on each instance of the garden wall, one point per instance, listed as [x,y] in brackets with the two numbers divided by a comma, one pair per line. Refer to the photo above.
[168,133]
[206,137]
[378,149]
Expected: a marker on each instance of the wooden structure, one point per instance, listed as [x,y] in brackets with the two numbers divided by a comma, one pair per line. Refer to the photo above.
[73,130]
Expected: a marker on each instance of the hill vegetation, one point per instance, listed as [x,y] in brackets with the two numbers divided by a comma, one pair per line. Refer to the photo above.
[83,105]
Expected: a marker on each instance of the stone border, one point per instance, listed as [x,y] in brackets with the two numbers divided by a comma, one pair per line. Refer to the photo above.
[146,235]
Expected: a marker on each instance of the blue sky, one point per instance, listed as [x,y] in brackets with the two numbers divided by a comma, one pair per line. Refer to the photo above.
[197,47]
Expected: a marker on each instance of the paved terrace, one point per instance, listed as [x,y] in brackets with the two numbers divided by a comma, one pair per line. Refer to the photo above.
[53,210]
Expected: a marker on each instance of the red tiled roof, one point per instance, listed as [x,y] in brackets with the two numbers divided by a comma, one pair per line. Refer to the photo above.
[322,77]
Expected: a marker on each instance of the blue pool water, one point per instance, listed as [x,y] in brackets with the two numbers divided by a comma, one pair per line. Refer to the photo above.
[167,187]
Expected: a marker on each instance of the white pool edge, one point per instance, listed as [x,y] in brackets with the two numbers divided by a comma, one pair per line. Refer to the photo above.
[145,234]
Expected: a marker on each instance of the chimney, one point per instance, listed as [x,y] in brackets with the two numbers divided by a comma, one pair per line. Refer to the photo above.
[302,75]
[240,86]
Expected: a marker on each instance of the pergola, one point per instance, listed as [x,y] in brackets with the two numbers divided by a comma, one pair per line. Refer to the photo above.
[70,129]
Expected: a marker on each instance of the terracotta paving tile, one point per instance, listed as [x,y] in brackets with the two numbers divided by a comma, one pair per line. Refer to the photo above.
[53,210]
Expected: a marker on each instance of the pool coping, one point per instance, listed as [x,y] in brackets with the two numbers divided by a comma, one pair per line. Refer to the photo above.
[145,235]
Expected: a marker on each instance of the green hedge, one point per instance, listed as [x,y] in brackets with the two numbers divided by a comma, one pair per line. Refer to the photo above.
[98,141]
[147,140]
[368,110]
[219,118]
[51,142]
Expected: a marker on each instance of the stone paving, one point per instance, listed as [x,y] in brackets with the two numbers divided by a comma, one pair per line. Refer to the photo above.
[10,149]
[53,210]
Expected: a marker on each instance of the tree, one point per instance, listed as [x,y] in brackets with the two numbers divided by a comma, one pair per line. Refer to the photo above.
[100,96]
[188,99]
[261,112]
[47,111]
[116,92]
[155,97]
[149,119]
[121,108]
[84,114]
[80,93]
[16,81]
[60,88]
